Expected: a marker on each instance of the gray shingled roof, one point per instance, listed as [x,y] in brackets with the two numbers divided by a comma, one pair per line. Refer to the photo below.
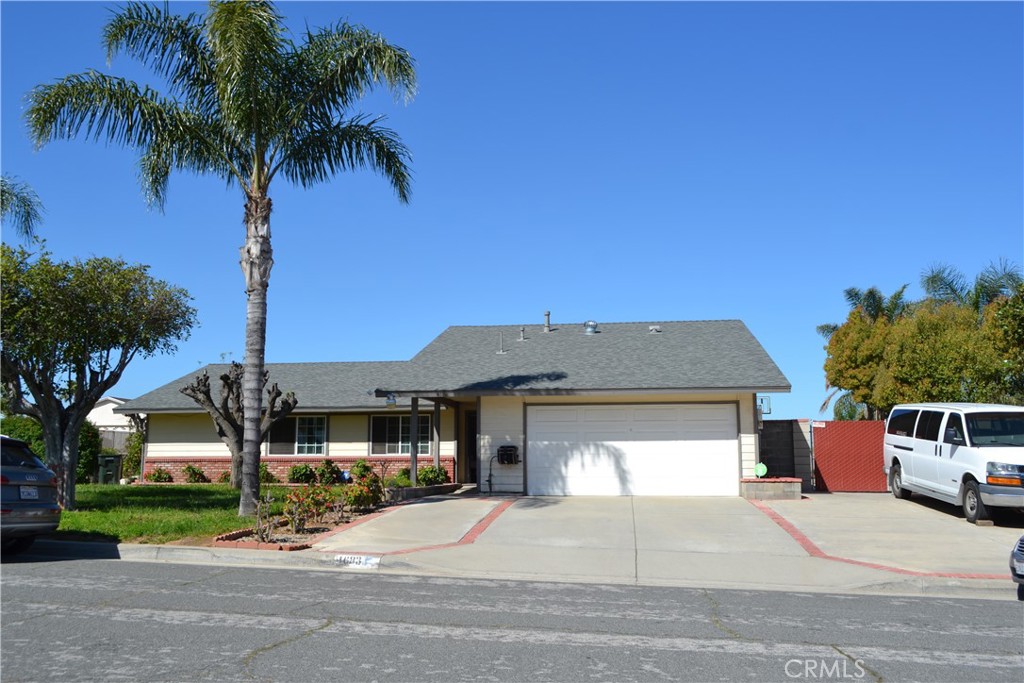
[464,361]
[318,386]
[683,356]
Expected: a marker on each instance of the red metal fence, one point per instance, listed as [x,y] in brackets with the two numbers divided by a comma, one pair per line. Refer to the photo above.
[848,456]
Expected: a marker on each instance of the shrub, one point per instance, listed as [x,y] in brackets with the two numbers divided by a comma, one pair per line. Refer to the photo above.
[90,443]
[311,503]
[301,474]
[195,475]
[26,429]
[328,473]
[431,475]
[224,477]
[360,470]
[364,493]
[266,476]
[132,461]
[159,475]
[398,481]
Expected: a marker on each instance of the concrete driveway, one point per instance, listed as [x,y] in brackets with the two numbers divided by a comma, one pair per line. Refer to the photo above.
[824,542]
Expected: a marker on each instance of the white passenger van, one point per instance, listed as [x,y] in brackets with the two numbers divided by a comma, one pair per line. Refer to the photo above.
[967,454]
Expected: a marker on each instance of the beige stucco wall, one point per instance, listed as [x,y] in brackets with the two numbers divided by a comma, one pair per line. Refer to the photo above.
[193,436]
[183,436]
[502,421]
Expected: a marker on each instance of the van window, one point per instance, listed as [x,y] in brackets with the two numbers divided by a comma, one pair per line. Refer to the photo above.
[928,425]
[954,430]
[901,422]
[996,429]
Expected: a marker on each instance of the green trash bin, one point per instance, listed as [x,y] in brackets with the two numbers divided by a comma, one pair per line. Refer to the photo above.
[109,469]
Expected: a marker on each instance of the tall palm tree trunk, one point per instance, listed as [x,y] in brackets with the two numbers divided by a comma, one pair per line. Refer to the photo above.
[257,260]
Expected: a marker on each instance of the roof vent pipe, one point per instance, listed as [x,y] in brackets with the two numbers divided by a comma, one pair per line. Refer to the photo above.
[547,321]
[590,327]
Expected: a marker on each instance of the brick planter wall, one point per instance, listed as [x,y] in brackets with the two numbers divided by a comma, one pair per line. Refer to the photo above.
[213,467]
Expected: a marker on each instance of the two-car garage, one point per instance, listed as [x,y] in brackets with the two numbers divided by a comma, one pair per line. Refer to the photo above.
[637,449]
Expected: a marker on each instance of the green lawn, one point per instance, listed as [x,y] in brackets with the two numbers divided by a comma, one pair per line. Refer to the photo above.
[155,514]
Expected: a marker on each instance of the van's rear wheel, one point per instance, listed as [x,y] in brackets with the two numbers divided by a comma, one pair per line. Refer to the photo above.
[896,482]
[974,508]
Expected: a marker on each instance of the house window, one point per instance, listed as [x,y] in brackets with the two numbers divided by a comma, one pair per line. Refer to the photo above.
[310,435]
[389,434]
[299,436]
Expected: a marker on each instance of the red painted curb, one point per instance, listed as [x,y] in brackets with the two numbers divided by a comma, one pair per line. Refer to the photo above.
[814,551]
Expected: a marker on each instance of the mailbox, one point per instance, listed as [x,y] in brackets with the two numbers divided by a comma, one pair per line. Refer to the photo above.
[508,455]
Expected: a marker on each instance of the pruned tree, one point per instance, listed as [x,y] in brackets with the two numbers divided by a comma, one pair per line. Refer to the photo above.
[245,103]
[69,331]
[228,413]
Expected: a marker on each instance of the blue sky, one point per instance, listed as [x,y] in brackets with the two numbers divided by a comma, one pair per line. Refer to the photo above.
[606,161]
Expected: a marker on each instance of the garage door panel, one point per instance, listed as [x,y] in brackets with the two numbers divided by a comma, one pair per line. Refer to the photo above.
[658,450]
[604,414]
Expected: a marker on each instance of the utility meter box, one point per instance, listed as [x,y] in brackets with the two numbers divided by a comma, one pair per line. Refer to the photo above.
[508,455]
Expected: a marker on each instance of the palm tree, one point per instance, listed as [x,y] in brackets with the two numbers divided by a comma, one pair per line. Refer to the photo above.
[875,306]
[245,103]
[946,284]
[20,203]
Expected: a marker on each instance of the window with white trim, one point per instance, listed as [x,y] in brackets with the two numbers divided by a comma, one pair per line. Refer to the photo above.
[304,435]
[310,435]
[389,434]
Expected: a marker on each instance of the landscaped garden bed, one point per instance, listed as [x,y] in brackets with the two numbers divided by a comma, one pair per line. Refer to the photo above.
[291,516]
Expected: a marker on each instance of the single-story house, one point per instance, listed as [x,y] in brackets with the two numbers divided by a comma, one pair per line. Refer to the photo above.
[114,428]
[660,408]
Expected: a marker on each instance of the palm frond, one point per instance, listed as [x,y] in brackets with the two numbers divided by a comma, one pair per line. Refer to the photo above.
[826,330]
[20,204]
[896,305]
[173,46]
[853,296]
[998,279]
[246,40]
[321,152]
[107,107]
[336,66]
[945,283]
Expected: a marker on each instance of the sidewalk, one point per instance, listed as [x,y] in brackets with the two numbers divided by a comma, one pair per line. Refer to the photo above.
[848,543]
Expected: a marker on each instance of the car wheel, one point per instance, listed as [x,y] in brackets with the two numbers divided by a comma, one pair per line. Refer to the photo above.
[896,482]
[974,509]
[17,545]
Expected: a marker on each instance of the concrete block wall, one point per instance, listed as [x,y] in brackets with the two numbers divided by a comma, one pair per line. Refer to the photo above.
[803,453]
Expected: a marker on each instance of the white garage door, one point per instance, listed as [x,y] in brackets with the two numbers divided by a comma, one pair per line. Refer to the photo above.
[638,450]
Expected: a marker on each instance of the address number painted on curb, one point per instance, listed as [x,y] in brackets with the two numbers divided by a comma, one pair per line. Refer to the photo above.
[357,561]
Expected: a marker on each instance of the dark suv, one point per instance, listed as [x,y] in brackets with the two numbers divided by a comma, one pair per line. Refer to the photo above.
[28,497]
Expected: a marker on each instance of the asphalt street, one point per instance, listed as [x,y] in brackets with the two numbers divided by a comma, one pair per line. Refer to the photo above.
[108,620]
